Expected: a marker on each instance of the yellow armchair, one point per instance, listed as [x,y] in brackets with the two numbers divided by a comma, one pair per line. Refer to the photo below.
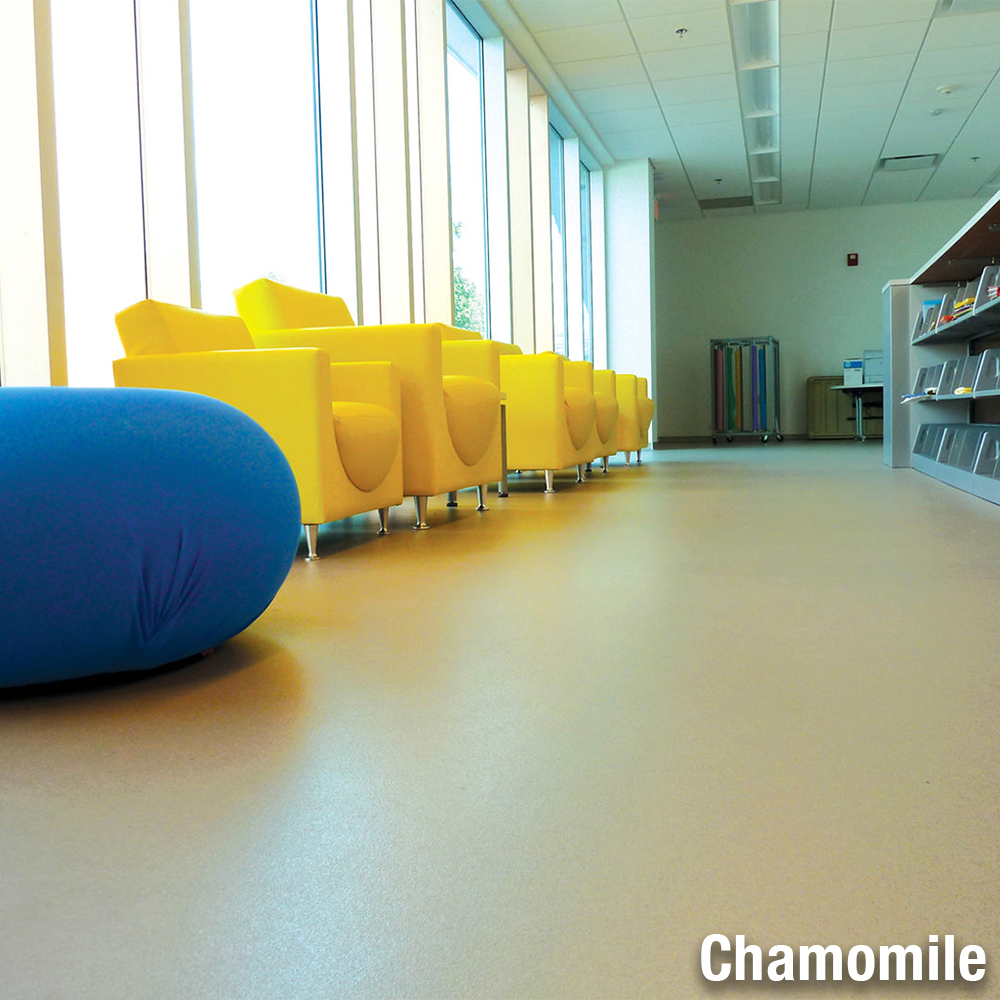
[628,415]
[606,424]
[550,420]
[645,406]
[450,397]
[337,424]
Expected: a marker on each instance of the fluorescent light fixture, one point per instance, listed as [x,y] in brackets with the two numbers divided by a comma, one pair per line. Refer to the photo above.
[754,27]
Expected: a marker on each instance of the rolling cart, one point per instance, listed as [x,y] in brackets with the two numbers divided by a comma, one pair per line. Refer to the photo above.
[745,388]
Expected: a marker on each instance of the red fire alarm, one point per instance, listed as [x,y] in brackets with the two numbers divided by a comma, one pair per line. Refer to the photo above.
[852,260]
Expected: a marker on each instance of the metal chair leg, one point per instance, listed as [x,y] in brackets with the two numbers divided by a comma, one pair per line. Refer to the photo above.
[421,503]
[579,473]
[604,465]
[550,478]
[383,520]
[453,498]
[481,490]
[628,455]
[312,536]
[638,457]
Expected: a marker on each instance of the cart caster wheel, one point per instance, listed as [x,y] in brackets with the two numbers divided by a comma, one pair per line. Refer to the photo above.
[729,438]
[714,441]
[778,437]
[763,440]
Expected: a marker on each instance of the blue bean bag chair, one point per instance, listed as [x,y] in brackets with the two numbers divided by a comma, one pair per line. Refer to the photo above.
[138,527]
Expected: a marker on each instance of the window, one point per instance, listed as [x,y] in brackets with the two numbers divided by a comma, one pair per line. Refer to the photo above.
[98,170]
[466,161]
[255,145]
[587,265]
[557,200]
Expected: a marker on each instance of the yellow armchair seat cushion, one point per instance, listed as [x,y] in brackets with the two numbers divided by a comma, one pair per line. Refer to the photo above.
[472,408]
[607,415]
[367,441]
[580,414]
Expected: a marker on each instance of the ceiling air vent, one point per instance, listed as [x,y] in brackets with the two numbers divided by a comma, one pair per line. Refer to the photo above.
[707,204]
[894,163]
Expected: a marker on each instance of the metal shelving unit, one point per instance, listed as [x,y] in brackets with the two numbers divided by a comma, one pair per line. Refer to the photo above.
[746,380]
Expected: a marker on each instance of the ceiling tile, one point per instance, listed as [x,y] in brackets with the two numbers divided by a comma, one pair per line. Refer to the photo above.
[800,50]
[696,89]
[945,63]
[874,69]
[607,122]
[705,60]
[704,27]
[858,13]
[968,88]
[917,139]
[896,186]
[623,98]
[541,15]
[943,185]
[588,74]
[651,8]
[800,17]
[728,131]
[703,112]
[845,117]
[880,40]
[868,95]
[590,41]
[801,77]
[799,102]
[962,30]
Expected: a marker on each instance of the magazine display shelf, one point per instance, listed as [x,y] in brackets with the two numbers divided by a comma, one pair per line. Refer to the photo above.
[942,349]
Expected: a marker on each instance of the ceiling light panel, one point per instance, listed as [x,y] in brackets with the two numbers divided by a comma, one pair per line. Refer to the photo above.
[755,34]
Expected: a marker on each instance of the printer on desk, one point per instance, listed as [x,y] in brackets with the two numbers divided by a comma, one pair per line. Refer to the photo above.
[866,370]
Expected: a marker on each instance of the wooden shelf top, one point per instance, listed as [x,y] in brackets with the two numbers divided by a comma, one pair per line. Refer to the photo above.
[972,248]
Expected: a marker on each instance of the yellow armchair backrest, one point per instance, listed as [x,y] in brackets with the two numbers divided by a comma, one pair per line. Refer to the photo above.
[269,305]
[151,327]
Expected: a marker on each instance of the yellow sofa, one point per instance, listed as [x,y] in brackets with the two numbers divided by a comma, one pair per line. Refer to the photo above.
[450,413]
[337,424]
[628,415]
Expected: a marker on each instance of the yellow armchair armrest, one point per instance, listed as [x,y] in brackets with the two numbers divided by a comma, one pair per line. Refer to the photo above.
[286,391]
[366,382]
[478,358]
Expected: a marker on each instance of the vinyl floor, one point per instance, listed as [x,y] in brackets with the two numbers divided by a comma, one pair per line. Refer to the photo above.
[541,752]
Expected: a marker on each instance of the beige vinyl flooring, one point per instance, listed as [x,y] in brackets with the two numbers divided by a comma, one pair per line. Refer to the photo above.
[541,752]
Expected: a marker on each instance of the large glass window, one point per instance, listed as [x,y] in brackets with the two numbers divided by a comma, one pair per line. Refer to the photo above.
[587,265]
[557,200]
[468,173]
[253,91]
[99,172]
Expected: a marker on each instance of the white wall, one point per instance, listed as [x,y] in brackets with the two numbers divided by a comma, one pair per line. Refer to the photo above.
[782,274]
[631,267]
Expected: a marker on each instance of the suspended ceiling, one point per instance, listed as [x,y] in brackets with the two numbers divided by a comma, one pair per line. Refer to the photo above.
[877,101]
